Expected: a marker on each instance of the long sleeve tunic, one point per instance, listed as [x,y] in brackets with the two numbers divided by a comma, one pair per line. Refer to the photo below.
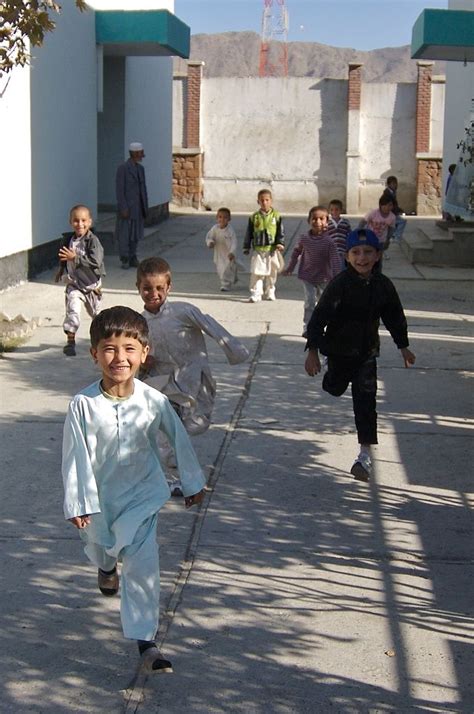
[317,257]
[111,467]
[179,348]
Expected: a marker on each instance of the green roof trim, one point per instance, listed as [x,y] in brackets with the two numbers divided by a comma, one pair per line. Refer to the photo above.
[141,33]
[444,35]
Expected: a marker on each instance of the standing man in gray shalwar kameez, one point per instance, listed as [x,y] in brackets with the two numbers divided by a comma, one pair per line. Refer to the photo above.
[132,205]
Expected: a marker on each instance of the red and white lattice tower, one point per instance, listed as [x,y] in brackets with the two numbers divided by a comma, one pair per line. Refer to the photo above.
[274,27]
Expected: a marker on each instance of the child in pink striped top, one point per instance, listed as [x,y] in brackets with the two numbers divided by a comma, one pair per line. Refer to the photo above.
[318,260]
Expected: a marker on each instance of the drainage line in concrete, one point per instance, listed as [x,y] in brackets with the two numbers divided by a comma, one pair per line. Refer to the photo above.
[134,694]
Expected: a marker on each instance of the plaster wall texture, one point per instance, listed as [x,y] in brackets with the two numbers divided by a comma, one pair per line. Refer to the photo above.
[110,123]
[387,142]
[148,119]
[293,134]
[179,88]
[137,107]
[15,203]
[282,133]
[437,118]
[52,118]
[459,94]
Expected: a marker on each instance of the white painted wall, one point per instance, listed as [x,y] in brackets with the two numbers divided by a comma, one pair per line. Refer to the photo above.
[459,92]
[179,84]
[292,135]
[148,119]
[63,124]
[273,132]
[48,114]
[437,117]
[387,142]
[15,196]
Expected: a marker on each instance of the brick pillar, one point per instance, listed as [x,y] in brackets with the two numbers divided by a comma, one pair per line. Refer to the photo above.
[428,165]
[354,88]
[423,106]
[193,104]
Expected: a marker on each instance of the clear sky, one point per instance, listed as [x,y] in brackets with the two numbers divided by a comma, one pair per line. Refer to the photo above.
[361,24]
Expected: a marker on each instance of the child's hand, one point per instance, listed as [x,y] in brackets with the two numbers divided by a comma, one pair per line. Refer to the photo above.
[408,356]
[211,244]
[231,257]
[245,252]
[279,247]
[312,364]
[58,276]
[285,272]
[80,521]
[66,254]
[194,500]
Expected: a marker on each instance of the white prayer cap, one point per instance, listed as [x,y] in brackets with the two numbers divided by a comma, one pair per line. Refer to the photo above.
[135,146]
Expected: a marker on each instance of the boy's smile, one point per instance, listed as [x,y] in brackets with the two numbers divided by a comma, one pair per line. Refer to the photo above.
[154,290]
[363,258]
[318,221]
[119,358]
[81,221]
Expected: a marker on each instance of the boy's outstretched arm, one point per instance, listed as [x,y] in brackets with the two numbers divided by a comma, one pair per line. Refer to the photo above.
[408,356]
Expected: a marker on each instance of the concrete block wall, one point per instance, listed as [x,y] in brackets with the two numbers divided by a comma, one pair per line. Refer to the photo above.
[308,139]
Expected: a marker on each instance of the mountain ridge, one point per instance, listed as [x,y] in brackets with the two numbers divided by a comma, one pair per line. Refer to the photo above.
[236,54]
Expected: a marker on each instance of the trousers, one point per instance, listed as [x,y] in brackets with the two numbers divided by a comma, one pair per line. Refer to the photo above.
[312,293]
[140,580]
[129,232]
[74,300]
[362,375]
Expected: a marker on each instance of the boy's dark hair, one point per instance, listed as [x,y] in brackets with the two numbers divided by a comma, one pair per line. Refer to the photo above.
[390,179]
[119,320]
[384,200]
[226,211]
[264,192]
[153,266]
[317,208]
[80,207]
[336,202]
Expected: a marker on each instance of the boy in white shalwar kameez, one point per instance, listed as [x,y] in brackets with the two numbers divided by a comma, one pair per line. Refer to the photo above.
[178,364]
[223,240]
[113,480]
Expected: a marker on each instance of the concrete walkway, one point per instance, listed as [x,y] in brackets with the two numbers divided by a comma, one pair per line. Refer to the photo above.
[294,588]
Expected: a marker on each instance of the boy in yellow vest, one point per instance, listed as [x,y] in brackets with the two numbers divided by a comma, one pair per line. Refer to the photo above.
[266,238]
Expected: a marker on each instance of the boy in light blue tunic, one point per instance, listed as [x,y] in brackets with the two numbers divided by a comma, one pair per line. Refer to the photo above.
[113,480]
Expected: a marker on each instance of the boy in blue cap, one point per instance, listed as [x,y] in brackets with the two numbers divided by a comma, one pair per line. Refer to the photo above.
[344,327]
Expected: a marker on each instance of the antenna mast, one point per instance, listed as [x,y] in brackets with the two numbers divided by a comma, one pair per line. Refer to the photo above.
[274,28]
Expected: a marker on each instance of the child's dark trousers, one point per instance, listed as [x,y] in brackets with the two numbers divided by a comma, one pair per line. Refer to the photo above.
[363,377]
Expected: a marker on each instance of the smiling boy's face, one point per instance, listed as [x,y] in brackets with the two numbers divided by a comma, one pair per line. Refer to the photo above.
[363,258]
[154,289]
[120,358]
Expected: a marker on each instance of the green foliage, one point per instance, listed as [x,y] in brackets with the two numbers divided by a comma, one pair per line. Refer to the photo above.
[25,22]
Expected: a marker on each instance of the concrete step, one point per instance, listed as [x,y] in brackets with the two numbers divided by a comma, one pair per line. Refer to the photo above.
[431,244]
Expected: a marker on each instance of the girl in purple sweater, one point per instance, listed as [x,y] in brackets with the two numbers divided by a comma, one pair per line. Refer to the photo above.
[318,260]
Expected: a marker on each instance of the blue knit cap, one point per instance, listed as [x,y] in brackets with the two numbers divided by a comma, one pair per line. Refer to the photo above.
[362,236]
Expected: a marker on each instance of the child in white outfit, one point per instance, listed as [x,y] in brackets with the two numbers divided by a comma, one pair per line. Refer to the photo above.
[222,238]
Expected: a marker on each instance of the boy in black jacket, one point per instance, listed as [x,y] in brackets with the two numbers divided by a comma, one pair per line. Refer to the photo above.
[344,326]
